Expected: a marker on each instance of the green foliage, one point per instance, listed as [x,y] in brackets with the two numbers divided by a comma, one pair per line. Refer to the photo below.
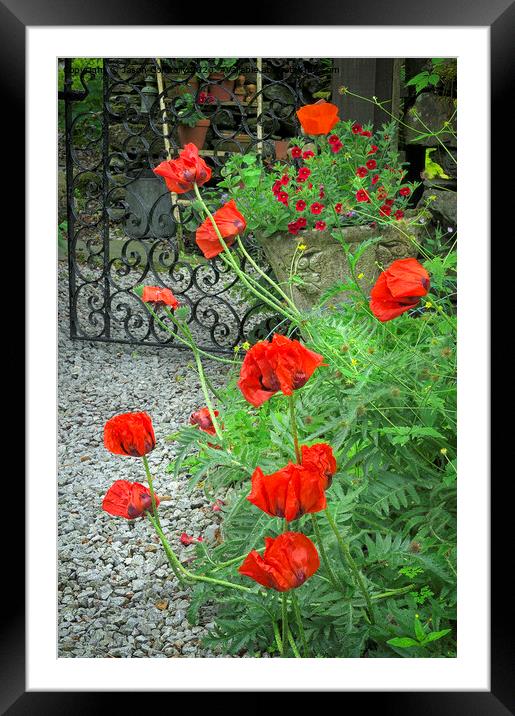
[426,78]
[386,403]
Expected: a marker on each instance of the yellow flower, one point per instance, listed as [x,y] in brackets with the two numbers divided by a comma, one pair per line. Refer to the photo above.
[236,349]
[428,304]
[443,451]
[245,346]
[302,247]
[360,275]
[354,361]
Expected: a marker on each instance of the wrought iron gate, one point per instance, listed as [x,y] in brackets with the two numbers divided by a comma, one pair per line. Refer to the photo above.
[124,227]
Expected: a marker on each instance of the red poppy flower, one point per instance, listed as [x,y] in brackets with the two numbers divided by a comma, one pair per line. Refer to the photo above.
[371,164]
[338,208]
[389,202]
[181,174]
[288,561]
[321,193]
[357,128]
[277,187]
[230,223]
[398,289]
[130,434]
[405,191]
[320,225]
[301,222]
[293,227]
[285,179]
[399,214]
[202,418]
[366,133]
[282,196]
[362,195]
[373,149]
[291,492]
[127,499]
[316,208]
[300,205]
[303,173]
[318,118]
[385,210]
[187,539]
[375,178]
[308,154]
[296,152]
[336,146]
[159,296]
[282,364]
[320,457]
[361,172]
[333,139]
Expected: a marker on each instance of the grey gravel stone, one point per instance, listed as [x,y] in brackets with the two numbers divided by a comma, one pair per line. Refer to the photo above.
[112,572]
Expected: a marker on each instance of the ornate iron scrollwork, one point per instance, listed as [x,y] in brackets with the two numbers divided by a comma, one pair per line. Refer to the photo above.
[125,228]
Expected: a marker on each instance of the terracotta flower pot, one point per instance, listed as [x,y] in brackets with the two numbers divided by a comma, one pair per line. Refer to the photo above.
[281,149]
[196,135]
[223,90]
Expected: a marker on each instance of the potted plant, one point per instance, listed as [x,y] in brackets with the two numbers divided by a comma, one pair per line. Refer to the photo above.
[338,209]
[193,125]
[221,73]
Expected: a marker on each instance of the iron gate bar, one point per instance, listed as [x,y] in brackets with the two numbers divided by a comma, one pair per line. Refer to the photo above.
[109,179]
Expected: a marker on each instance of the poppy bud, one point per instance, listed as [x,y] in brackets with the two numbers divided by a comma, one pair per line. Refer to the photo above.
[202,418]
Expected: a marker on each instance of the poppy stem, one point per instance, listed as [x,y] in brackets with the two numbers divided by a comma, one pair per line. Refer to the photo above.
[293,645]
[201,375]
[174,562]
[163,325]
[284,599]
[358,577]
[323,554]
[151,487]
[277,637]
[172,559]
[293,421]
[266,276]
[262,293]
[298,617]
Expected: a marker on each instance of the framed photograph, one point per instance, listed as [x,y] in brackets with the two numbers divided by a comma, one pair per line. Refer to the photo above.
[262,463]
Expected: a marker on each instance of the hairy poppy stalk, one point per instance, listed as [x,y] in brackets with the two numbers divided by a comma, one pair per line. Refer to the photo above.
[259,290]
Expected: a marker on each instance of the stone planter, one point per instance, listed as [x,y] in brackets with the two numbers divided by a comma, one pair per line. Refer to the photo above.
[324,263]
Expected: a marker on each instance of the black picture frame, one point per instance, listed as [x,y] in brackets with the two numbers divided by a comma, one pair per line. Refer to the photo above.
[499,15]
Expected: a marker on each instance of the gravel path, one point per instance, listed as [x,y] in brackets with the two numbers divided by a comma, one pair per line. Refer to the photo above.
[117,597]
